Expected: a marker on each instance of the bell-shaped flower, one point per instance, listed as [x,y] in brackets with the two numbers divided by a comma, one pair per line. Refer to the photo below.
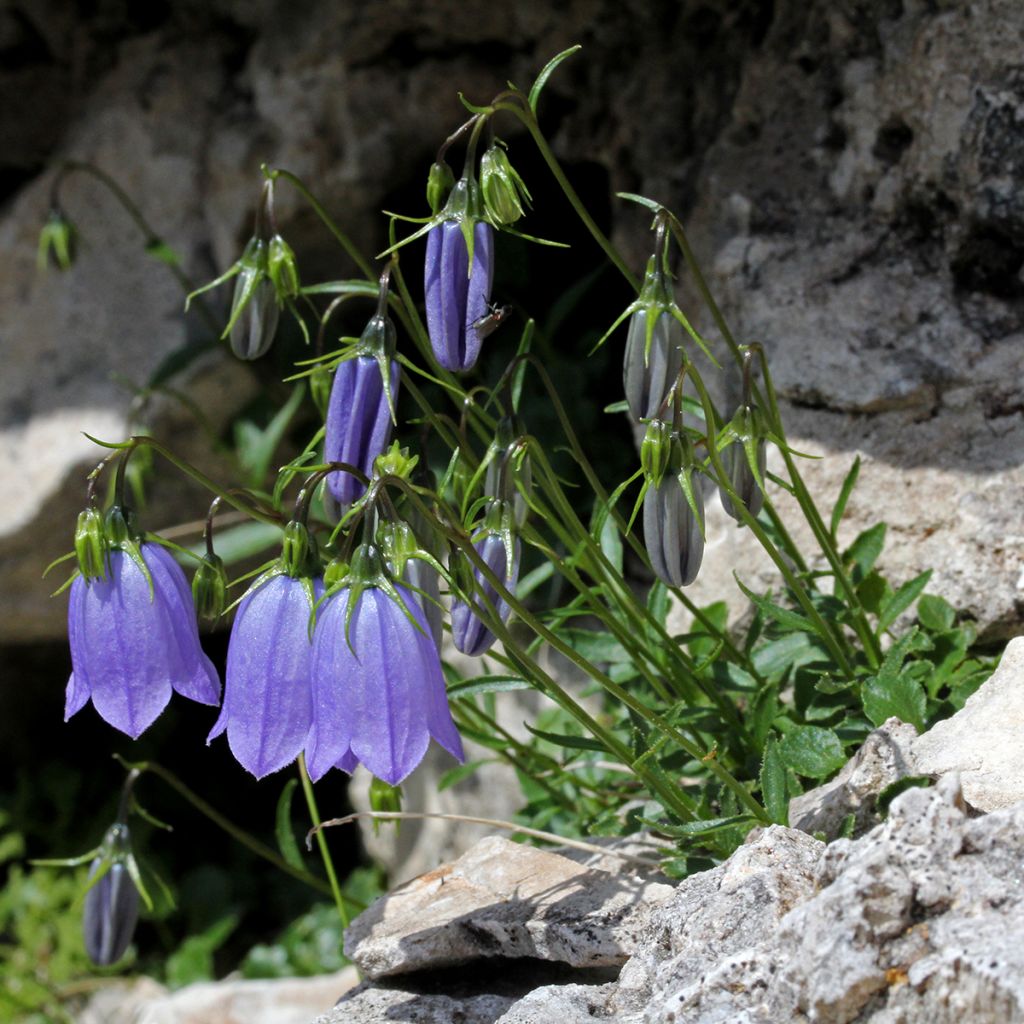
[134,639]
[111,908]
[673,520]
[406,563]
[378,689]
[469,631]
[268,706]
[458,273]
[360,411]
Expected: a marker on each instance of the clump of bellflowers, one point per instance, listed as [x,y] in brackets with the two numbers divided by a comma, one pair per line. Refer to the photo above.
[132,627]
[267,281]
[361,407]
[378,690]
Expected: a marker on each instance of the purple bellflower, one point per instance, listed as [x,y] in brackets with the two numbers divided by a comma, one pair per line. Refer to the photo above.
[134,639]
[672,527]
[268,706]
[458,293]
[469,633]
[378,691]
[112,904]
[649,371]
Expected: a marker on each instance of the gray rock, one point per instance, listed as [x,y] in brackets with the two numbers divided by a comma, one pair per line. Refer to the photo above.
[504,899]
[368,1004]
[883,758]
[982,741]
[566,1004]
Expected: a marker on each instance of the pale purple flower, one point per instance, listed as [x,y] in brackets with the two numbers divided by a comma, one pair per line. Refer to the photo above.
[110,914]
[742,479]
[358,422]
[132,645]
[672,533]
[268,706]
[378,693]
[647,375]
[469,633]
[456,299]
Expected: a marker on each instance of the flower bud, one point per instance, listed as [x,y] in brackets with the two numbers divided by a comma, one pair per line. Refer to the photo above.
[649,372]
[439,184]
[111,904]
[254,307]
[282,269]
[656,451]
[672,527]
[503,190]
[395,461]
[736,460]
[384,797]
[91,544]
[209,588]
[337,569]
[56,242]
[298,550]
[509,474]
[118,527]
[469,633]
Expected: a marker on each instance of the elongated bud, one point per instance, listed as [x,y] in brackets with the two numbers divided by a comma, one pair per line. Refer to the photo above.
[470,634]
[91,544]
[439,185]
[649,370]
[56,242]
[254,306]
[298,550]
[118,527]
[656,451]
[672,527]
[112,904]
[509,475]
[282,269]
[503,190]
[736,460]
[209,588]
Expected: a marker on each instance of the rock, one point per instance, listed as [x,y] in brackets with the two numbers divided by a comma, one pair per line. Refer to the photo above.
[566,1004]
[503,899]
[231,1001]
[883,758]
[982,741]
[369,1005]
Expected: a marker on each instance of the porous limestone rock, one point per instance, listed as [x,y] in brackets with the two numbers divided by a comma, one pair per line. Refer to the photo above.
[982,741]
[504,899]
[883,758]
[368,1005]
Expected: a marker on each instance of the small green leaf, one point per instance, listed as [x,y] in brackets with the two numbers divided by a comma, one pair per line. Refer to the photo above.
[864,551]
[844,495]
[790,650]
[546,71]
[873,591]
[935,613]
[632,197]
[773,783]
[572,742]
[700,829]
[487,684]
[896,605]
[901,697]
[460,772]
[812,751]
[283,830]
[786,618]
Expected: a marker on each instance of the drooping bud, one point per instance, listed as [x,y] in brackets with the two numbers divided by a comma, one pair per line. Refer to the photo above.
[209,588]
[748,447]
[656,450]
[673,514]
[91,544]
[254,307]
[298,550]
[470,634]
[509,475]
[112,903]
[458,289]
[320,381]
[503,190]
[56,242]
[282,269]
[439,184]
[384,797]
[118,527]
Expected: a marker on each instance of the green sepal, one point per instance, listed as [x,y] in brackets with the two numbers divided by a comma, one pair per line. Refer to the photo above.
[282,269]
[91,544]
[209,588]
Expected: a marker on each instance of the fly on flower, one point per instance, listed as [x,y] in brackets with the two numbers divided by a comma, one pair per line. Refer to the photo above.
[495,316]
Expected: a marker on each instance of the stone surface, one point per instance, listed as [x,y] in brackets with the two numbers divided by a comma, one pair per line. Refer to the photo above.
[368,1005]
[231,1001]
[982,741]
[503,899]
[884,757]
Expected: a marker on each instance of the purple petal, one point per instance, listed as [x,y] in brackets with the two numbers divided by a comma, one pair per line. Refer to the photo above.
[348,762]
[469,633]
[478,298]
[267,701]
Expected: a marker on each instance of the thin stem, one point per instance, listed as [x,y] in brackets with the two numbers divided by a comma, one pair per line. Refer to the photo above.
[321,841]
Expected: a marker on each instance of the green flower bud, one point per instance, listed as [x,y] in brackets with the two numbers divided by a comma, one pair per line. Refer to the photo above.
[282,269]
[439,184]
[503,190]
[656,451]
[56,242]
[209,588]
[509,475]
[395,461]
[298,550]
[118,527]
[336,571]
[384,797]
[749,447]
[399,544]
[91,544]
[254,306]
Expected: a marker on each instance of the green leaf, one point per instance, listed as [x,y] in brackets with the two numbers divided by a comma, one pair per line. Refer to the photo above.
[487,684]
[812,751]
[873,591]
[193,959]
[844,495]
[611,543]
[764,711]
[901,696]
[460,772]
[700,829]
[595,646]
[935,613]
[773,783]
[283,830]
[658,602]
[902,600]
[783,616]
[732,677]
[256,446]
[572,742]
[632,197]
[546,71]
[160,250]
[864,551]
[790,650]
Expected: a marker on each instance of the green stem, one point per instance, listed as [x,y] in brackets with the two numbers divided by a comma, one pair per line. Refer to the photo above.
[321,841]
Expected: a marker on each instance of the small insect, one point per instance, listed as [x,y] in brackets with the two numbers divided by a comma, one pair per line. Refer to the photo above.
[491,320]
